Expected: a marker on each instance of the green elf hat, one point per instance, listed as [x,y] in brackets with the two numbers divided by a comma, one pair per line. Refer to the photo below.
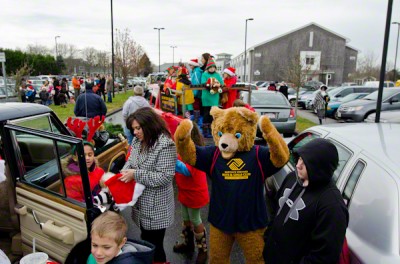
[210,63]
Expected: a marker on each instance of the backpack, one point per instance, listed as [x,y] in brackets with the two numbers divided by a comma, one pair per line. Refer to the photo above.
[44,96]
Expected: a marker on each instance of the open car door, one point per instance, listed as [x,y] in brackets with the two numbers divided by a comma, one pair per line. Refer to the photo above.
[56,221]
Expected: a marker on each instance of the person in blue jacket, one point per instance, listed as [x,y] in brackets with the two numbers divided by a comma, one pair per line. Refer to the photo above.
[195,77]
[89,104]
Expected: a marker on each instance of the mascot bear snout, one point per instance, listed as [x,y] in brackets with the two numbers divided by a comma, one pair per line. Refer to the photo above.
[228,145]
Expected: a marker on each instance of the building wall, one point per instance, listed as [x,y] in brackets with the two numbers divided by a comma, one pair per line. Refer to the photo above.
[350,64]
[271,60]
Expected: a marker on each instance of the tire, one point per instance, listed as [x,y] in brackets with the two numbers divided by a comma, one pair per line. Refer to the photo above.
[292,102]
[335,115]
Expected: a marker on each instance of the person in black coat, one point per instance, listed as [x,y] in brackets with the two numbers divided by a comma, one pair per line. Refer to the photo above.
[311,219]
[284,89]
[89,104]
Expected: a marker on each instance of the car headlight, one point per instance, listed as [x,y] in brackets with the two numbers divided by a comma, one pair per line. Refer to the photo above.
[355,108]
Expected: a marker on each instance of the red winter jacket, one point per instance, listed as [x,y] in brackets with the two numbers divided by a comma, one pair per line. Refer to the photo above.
[232,94]
[192,190]
[73,184]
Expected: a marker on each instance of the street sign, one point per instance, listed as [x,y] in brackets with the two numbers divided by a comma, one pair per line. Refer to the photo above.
[2,57]
[257,72]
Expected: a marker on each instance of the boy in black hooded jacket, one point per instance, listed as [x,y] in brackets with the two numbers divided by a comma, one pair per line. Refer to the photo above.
[311,219]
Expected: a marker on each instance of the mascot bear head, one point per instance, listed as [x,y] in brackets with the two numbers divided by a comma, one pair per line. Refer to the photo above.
[233,129]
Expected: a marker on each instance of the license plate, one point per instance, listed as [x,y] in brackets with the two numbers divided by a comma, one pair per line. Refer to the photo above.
[339,114]
[270,115]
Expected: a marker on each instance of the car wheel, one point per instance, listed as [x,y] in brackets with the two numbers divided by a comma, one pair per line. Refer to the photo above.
[335,115]
[292,102]
[286,135]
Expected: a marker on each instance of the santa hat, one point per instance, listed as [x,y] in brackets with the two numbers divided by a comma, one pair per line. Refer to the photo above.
[230,71]
[210,63]
[194,62]
[2,170]
[183,71]
[124,193]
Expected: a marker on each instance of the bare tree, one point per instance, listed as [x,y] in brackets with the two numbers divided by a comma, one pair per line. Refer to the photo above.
[102,60]
[89,54]
[37,49]
[127,55]
[296,72]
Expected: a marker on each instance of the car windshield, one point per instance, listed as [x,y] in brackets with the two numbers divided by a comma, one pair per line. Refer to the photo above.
[386,94]
[334,91]
[267,99]
[351,97]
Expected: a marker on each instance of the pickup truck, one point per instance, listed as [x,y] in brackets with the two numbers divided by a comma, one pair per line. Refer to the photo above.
[33,200]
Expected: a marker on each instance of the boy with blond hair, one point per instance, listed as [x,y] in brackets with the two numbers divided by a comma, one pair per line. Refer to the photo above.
[110,244]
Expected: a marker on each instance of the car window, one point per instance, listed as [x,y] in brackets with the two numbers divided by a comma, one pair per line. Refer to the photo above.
[268,99]
[344,156]
[298,142]
[39,122]
[396,97]
[352,182]
[47,164]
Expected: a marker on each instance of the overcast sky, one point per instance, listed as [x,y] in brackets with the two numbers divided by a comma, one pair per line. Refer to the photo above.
[194,26]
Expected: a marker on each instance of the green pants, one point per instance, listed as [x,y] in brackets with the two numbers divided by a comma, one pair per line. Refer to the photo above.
[192,215]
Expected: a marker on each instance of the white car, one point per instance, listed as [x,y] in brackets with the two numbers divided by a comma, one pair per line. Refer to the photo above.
[368,176]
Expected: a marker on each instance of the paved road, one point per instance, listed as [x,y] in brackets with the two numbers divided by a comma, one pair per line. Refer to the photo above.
[313,117]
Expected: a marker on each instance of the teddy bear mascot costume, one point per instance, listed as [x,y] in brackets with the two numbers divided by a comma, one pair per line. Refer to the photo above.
[237,169]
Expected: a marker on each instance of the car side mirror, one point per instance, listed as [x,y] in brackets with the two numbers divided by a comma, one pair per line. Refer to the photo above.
[393,100]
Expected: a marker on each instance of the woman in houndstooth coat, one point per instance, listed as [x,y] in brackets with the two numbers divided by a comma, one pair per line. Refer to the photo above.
[152,163]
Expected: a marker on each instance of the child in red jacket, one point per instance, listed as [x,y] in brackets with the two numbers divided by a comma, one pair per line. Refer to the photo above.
[193,195]
[73,179]
[230,79]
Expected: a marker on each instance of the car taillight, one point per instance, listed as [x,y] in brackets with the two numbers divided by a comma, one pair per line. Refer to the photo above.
[292,113]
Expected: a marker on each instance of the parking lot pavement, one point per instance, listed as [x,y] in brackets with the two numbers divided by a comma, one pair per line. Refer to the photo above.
[313,117]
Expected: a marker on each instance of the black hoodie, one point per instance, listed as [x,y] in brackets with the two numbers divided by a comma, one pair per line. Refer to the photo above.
[311,221]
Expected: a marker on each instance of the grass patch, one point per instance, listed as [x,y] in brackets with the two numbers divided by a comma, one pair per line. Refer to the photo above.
[118,102]
[303,123]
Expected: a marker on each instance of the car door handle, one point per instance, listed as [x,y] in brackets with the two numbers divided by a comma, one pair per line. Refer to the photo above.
[20,209]
[62,233]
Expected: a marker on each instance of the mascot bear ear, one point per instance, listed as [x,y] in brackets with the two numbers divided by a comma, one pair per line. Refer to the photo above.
[250,116]
[216,112]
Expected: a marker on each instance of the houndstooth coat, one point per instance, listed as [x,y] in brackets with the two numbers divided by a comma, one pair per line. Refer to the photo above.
[155,169]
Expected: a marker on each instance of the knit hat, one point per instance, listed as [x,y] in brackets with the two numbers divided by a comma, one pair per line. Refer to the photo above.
[124,193]
[210,63]
[170,68]
[230,71]
[138,90]
[183,71]
[194,62]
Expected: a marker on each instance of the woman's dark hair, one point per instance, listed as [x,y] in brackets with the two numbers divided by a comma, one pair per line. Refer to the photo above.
[151,123]
[206,56]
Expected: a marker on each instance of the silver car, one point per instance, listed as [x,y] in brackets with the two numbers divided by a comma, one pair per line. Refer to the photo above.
[276,107]
[358,110]
[368,176]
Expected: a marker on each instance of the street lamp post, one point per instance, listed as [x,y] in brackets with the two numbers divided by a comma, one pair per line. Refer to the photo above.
[55,38]
[397,46]
[173,54]
[159,52]
[112,51]
[245,48]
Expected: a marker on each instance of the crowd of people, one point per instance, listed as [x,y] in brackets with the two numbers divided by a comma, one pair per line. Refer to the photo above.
[58,92]
[153,162]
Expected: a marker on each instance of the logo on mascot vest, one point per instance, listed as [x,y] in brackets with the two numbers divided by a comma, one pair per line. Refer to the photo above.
[236,165]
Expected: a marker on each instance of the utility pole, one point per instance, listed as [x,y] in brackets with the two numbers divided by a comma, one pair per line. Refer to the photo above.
[245,50]
[159,52]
